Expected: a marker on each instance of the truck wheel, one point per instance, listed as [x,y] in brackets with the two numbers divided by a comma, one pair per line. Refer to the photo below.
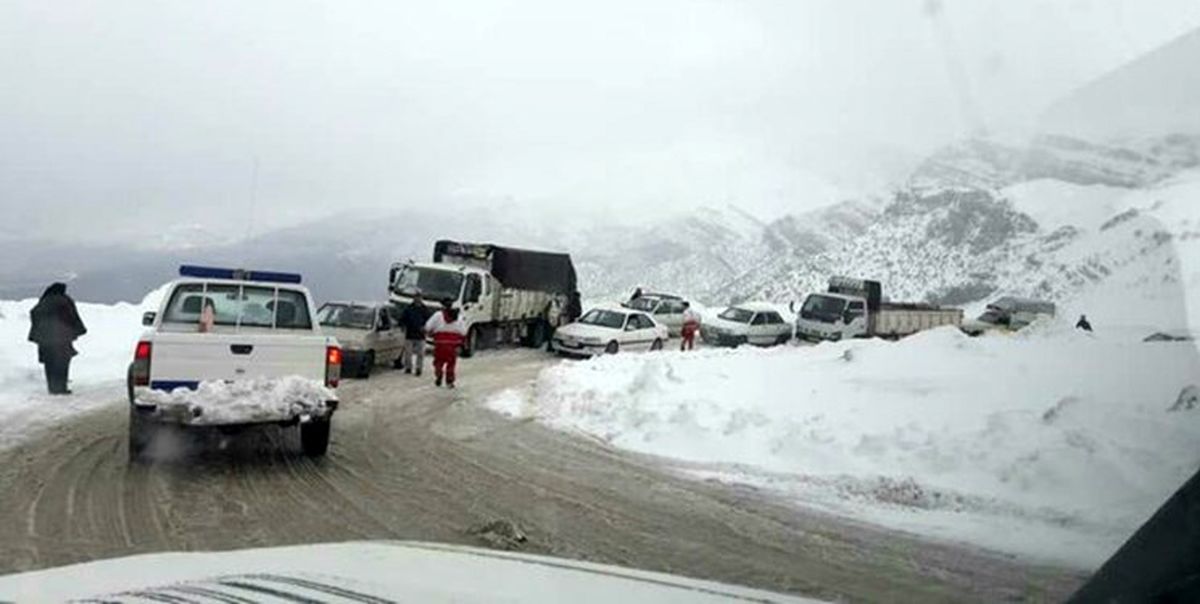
[657,345]
[537,335]
[472,343]
[141,434]
[314,437]
[368,363]
[612,348]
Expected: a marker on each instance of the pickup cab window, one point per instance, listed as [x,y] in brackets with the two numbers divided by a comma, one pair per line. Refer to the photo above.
[233,305]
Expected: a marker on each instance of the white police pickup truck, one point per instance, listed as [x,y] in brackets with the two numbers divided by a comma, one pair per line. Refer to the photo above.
[229,349]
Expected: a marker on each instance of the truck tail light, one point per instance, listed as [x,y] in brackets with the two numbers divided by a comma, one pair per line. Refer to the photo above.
[333,366]
[141,364]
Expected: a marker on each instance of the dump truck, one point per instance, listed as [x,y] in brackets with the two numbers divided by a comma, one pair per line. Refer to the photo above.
[855,308]
[505,295]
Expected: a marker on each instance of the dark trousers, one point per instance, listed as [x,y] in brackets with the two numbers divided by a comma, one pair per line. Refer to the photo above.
[57,364]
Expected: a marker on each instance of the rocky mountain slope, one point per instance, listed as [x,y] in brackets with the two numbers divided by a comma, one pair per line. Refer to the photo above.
[983,218]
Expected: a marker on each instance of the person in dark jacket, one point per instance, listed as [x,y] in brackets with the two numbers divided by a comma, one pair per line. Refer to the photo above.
[413,319]
[637,293]
[54,327]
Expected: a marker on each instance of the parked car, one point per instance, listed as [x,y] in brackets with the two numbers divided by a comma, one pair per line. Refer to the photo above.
[609,330]
[1009,313]
[756,323]
[666,309]
[369,333]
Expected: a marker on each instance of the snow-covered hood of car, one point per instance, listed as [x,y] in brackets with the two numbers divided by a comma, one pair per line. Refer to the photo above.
[724,326]
[370,571]
[580,331]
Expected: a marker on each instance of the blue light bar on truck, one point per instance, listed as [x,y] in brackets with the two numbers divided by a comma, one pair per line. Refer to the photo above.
[237,274]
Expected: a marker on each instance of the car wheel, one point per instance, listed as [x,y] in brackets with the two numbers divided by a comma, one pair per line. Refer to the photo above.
[612,348]
[657,345]
[368,364]
[141,434]
[314,437]
[471,344]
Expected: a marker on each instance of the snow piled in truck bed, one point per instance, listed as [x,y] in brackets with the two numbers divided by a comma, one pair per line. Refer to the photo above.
[1050,444]
[248,401]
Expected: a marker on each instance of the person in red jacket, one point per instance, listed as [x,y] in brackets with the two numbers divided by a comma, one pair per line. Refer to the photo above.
[691,325]
[449,333]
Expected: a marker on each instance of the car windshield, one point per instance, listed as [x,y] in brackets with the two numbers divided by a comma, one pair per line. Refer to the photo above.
[823,308]
[736,315]
[434,284]
[345,315]
[604,318]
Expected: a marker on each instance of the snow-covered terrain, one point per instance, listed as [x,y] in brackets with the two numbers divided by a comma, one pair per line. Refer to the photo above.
[97,373]
[1050,444]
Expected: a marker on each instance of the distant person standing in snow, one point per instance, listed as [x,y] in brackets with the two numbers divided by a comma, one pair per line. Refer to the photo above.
[449,333]
[637,293]
[1083,323]
[413,318]
[54,327]
[691,325]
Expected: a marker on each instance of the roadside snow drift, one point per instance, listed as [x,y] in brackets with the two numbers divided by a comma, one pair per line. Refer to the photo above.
[1050,444]
[97,373]
[249,401]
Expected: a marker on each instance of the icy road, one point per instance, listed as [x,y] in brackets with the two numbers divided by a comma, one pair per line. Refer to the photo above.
[409,461]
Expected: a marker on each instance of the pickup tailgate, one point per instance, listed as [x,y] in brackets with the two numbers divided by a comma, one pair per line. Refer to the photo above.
[178,359]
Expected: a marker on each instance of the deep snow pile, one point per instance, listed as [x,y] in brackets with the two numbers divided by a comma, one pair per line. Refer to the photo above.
[97,374]
[258,400]
[1051,444]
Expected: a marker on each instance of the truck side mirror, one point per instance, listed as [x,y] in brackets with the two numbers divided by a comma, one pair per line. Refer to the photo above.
[148,318]
[847,317]
[395,270]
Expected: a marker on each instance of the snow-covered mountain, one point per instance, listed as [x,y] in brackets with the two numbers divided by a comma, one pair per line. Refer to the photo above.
[1059,218]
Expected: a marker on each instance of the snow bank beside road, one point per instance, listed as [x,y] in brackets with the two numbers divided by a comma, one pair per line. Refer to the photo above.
[97,374]
[1051,444]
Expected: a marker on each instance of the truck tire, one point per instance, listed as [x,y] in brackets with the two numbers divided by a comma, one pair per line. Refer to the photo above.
[537,334]
[314,437]
[141,434]
[471,344]
[368,364]
[612,348]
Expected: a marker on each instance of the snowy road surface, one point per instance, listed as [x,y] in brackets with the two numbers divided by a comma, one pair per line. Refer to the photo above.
[409,461]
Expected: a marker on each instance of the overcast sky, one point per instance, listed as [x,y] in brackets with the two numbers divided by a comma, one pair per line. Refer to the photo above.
[117,116]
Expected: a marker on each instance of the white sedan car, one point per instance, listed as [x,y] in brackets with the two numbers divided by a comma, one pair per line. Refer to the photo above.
[609,330]
[754,323]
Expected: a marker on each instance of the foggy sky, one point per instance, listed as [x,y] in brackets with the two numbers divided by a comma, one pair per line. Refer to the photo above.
[122,118]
